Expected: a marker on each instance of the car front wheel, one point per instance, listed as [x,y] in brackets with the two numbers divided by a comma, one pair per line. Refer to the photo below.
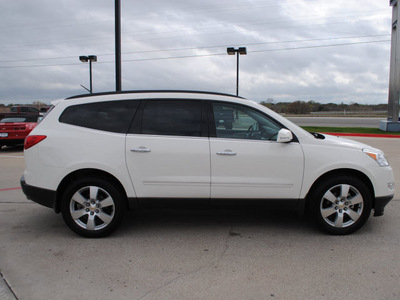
[342,204]
[92,207]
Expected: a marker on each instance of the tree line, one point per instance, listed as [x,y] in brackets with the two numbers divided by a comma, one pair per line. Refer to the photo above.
[302,107]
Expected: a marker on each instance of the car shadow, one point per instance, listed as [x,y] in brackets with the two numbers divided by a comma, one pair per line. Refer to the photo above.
[236,219]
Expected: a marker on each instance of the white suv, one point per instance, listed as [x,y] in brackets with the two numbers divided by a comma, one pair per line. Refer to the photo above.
[95,156]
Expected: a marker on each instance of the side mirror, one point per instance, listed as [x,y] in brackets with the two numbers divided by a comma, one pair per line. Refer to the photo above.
[284,136]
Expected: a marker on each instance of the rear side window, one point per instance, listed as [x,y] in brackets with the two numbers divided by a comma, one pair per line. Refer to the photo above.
[113,116]
[172,117]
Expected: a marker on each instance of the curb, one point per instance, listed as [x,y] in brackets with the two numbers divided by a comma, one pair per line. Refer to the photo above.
[10,189]
[363,135]
[5,292]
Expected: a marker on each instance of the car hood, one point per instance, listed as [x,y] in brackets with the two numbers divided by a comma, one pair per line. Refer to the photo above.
[337,141]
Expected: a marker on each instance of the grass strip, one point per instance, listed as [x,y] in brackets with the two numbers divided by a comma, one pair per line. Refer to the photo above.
[348,130]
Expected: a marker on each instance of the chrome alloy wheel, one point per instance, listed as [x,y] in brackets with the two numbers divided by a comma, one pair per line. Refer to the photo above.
[92,208]
[341,206]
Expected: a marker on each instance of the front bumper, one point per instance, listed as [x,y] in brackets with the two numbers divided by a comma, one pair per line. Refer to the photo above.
[39,195]
[380,203]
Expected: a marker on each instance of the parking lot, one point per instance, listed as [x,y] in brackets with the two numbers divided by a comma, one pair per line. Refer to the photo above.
[218,253]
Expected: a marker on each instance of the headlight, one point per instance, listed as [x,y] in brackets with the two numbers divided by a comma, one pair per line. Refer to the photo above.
[378,156]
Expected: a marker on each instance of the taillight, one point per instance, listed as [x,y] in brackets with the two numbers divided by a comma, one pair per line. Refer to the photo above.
[32,140]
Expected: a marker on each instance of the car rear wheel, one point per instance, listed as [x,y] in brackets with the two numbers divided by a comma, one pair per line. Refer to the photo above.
[92,207]
[342,204]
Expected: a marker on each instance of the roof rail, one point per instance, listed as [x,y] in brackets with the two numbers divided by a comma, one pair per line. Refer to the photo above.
[151,91]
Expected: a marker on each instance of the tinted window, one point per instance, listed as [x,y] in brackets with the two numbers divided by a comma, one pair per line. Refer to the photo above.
[114,116]
[29,109]
[26,109]
[165,117]
[241,122]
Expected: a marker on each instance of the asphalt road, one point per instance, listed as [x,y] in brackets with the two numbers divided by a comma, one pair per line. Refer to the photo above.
[336,121]
[195,253]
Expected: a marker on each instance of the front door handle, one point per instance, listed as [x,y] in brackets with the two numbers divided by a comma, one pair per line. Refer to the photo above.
[141,149]
[227,152]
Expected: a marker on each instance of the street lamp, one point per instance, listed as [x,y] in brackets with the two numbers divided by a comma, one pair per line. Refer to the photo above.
[233,51]
[118,76]
[90,59]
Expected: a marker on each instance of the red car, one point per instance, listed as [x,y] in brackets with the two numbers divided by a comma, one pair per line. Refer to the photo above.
[14,129]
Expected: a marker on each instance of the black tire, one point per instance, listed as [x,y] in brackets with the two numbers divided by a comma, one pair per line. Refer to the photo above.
[341,205]
[92,207]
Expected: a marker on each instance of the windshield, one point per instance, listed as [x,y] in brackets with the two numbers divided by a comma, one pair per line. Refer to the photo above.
[19,119]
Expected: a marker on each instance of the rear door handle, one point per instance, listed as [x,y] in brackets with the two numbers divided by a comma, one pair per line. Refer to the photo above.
[141,149]
[227,152]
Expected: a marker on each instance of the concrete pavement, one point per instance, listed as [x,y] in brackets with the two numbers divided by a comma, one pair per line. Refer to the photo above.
[9,162]
[195,253]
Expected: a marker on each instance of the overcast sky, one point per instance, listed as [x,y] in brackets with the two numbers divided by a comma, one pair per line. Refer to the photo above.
[327,51]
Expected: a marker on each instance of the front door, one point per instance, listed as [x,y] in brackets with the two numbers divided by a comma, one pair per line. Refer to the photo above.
[246,159]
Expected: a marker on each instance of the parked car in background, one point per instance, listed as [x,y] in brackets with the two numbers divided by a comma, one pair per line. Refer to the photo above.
[24,110]
[14,129]
[94,156]
[20,110]
[44,109]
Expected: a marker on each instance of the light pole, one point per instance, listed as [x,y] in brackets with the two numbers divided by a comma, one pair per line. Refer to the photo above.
[90,59]
[118,76]
[392,123]
[233,51]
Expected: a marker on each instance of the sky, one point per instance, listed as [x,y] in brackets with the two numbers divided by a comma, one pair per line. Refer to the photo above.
[326,51]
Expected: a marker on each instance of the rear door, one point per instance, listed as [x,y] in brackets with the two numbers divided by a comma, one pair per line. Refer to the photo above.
[167,151]
[246,159]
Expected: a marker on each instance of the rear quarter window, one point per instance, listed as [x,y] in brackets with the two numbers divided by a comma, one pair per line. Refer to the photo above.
[112,116]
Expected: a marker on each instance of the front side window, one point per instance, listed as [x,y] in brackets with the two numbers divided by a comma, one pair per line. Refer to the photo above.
[241,122]
[172,117]
[112,116]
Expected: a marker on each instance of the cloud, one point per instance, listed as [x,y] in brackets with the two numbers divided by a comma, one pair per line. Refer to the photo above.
[297,50]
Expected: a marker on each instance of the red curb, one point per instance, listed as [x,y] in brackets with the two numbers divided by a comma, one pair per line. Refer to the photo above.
[10,189]
[364,135]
